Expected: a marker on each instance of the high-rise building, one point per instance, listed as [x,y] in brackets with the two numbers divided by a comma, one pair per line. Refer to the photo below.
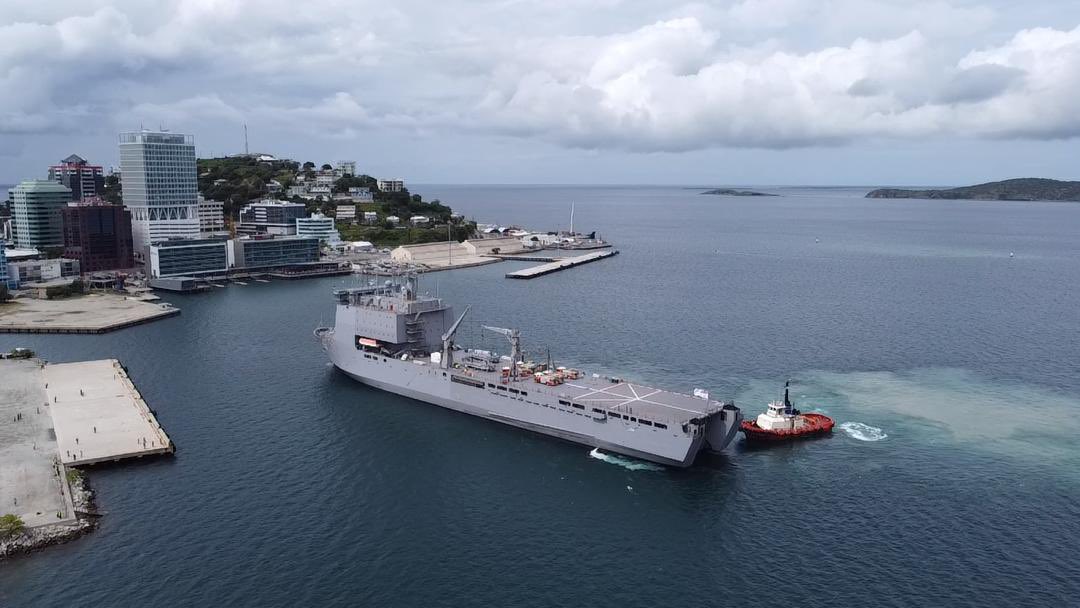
[84,180]
[160,186]
[98,235]
[36,213]
[211,218]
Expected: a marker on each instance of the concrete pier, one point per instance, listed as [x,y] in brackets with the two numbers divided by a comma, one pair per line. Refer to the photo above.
[541,270]
[33,485]
[99,415]
[89,314]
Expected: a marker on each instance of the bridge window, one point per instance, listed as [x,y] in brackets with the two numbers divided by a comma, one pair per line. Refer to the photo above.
[660,425]
[645,422]
[578,406]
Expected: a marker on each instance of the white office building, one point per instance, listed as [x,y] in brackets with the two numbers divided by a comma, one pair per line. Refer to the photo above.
[391,185]
[160,186]
[345,213]
[319,226]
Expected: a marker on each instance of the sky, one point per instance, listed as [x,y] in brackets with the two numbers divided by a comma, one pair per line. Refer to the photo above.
[815,92]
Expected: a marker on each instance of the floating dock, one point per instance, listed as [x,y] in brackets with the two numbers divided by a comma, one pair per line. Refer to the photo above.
[541,270]
[99,415]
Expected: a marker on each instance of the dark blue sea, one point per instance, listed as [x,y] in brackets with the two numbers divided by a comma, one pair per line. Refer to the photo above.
[944,338]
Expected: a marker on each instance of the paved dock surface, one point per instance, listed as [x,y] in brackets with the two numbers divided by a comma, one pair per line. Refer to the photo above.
[99,415]
[91,314]
[563,264]
[32,486]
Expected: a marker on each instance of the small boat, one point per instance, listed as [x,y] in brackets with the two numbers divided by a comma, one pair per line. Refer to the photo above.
[781,422]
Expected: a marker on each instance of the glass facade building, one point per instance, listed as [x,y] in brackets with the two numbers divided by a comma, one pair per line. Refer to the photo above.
[160,186]
[189,257]
[256,252]
[36,213]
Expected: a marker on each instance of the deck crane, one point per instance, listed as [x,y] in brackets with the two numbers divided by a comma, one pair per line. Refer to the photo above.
[515,345]
[448,341]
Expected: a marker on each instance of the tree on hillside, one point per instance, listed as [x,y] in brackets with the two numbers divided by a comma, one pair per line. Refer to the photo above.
[363,181]
[326,167]
[309,165]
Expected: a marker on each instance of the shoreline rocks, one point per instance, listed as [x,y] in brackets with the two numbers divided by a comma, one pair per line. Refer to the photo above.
[40,537]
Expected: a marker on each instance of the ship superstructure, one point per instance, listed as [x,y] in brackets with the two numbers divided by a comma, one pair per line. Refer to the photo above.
[390,337]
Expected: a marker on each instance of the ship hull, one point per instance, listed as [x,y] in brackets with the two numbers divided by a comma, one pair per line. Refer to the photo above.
[432,385]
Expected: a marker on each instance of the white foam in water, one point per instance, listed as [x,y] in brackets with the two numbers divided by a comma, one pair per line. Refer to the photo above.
[863,432]
[626,463]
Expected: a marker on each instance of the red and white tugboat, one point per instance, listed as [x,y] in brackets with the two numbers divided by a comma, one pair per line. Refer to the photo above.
[783,422]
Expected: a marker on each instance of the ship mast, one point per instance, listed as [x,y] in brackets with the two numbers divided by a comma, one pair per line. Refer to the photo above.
[515,344]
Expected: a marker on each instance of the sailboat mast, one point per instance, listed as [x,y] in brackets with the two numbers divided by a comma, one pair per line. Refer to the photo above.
[571,218]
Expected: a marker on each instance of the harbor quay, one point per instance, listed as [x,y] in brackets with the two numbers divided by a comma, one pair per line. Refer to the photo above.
[54,418]
[89,314]
[560,264]
[99,415]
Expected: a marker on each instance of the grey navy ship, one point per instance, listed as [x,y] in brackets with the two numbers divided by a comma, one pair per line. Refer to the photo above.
[390,337]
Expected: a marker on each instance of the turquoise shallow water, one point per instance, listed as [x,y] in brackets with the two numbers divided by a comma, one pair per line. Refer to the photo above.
[294,485]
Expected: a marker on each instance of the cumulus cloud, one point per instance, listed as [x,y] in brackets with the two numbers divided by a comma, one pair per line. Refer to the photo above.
[669,86]
[642,76]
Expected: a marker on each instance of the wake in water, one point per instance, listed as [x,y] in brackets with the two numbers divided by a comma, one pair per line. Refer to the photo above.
[863,432]
[626,463]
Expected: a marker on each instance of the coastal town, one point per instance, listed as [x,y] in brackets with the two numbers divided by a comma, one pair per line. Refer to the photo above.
[165,219]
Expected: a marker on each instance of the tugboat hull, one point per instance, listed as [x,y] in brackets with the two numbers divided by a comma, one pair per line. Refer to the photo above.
[813,425]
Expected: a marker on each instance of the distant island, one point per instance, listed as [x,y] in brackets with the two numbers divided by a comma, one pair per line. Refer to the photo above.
[1023,189]
[731,192]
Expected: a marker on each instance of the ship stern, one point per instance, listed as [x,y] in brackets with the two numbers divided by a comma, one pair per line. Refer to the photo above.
[722,427]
